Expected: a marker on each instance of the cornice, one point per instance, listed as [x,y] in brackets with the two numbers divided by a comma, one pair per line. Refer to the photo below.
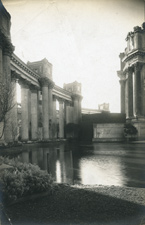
[133,54]
[23,66]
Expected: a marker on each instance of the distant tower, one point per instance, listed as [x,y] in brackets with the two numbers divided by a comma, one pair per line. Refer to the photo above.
[132,79]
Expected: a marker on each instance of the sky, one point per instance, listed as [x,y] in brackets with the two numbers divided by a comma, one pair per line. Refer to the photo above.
[82,39]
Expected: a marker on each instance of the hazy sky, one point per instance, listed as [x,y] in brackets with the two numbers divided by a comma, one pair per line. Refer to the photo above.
[81,38]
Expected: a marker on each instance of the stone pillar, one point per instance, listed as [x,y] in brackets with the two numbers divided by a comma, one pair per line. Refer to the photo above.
[122,93]
[137,89]
[129,92]
[54,119]
[14,110]
[76,108]
[44,83]
[67,113]
[24,110]
[50,107]
[1,63]
[7,82]
[47,105]
[34,113]
[61,119]
[80,108]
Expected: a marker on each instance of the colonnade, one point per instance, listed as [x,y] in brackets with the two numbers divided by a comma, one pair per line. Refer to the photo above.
[132,91]
[35,108]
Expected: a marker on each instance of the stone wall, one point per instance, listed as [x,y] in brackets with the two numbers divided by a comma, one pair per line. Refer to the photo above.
[108,132]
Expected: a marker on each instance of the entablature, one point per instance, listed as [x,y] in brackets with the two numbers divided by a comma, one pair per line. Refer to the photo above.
[23,70]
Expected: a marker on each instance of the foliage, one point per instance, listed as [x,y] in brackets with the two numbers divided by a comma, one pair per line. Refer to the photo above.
[24,179]
[129,129]
[6,102]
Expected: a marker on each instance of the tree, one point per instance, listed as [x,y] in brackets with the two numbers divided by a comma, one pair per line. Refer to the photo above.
[6,103]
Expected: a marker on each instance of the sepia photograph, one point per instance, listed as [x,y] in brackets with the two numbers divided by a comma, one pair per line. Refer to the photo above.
[72,112]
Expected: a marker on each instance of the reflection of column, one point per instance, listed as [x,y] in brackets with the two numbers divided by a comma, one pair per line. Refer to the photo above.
[34,112]
[24,108]
[54,119]
[122,90]
[129,92]
[61,119]
[137,89]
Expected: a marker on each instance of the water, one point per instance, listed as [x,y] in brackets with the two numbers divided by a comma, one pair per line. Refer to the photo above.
[100,163]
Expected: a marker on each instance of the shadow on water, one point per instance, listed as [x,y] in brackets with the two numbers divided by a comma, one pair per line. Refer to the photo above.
[101,163]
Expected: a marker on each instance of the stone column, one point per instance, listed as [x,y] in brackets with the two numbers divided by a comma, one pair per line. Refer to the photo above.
[67,113]
[44,83]
[50,106]
[1,77]
[122,93]
[54,119]
[1,63]
[7,82]
[61,119]
[129,87]
[34,113]
[137,89]
[80,108]
[76,108]
[14,110]
[24,110]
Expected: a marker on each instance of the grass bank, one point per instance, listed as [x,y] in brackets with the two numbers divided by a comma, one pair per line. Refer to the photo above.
[85,205]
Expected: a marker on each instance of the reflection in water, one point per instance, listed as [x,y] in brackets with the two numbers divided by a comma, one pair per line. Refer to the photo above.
[58,172]
[98,171]
[105,164]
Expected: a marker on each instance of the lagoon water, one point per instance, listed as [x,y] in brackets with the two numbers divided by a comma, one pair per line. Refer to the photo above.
[100,163]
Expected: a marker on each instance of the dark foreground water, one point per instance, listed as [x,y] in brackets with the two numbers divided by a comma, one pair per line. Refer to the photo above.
[101,163]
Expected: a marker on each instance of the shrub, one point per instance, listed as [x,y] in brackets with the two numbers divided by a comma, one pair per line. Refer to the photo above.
[129,129]
[24,179]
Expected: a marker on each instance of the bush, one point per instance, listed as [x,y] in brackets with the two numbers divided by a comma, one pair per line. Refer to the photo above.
[25,179]
[129,129]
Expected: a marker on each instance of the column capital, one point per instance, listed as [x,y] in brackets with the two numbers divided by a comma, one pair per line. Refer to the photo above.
[14,76]
[46,82]
[60,100]
[128,71]
[76,97]
[25,83]
[34,88]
